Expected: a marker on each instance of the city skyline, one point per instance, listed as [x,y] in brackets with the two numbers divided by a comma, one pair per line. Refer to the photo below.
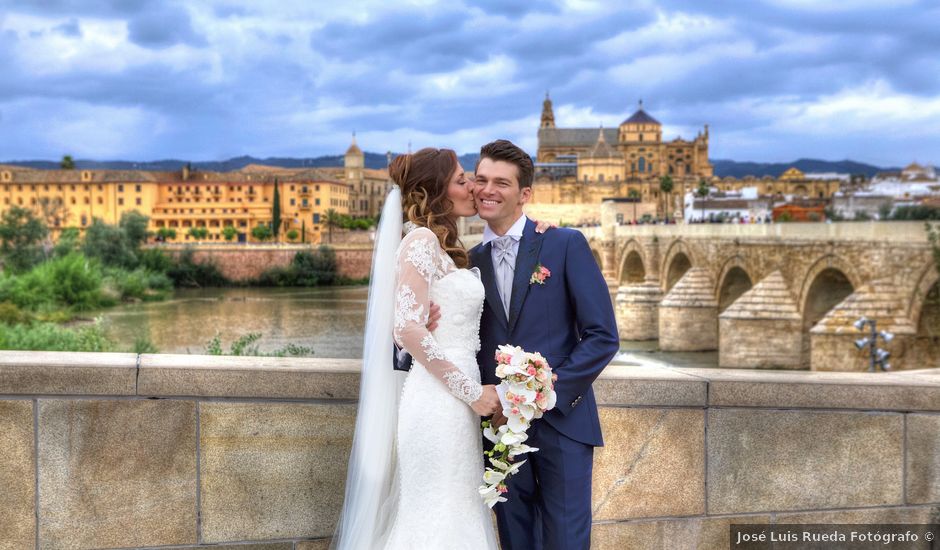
[775,81]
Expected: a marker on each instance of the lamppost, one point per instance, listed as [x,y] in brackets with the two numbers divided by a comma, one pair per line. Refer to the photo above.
[878,356]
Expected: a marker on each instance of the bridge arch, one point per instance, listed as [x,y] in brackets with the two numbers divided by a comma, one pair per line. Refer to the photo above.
[632,263]
[733,281]
[677,260]
[926,283]
[828,281]
[598,257]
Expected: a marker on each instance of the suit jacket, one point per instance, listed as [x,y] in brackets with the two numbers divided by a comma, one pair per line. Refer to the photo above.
[569,319]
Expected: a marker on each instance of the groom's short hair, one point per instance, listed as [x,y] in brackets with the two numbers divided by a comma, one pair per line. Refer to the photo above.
[505,150]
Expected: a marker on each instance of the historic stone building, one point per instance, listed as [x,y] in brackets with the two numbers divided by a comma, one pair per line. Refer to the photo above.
[579,167]
[368,187]
[585,165]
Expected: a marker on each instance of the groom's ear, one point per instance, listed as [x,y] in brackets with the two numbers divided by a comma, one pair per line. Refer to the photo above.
[525,194]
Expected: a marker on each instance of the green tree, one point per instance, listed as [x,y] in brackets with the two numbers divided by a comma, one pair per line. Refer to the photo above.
[635,195]
[332,219]
[198,233]
[69,241]
[21,236]
[292,235]
[701,191]
[166,233]
[276,212]
[303,231]
[134,226]
[261,232]
[109,244]
[67,163]
[229,232]
[665,186]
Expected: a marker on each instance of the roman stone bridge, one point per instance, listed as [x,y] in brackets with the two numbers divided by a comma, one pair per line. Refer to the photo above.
[775,296]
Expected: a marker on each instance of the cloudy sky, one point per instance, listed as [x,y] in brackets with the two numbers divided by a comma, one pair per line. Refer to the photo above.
[776,80]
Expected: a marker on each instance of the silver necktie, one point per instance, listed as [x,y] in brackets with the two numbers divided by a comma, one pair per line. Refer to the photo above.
[505,255]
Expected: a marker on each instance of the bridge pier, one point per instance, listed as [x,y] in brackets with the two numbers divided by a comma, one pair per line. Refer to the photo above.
[688,315]
[832,339]
[637,308]
[761,329]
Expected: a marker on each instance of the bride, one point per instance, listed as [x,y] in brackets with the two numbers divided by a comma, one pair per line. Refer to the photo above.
[417,459]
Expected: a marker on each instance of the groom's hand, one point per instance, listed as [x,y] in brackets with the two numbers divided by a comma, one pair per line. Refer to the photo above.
[488,403]
[498,419]
[434,315]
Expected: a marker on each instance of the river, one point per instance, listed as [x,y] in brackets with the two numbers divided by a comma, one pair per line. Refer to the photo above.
[329,320]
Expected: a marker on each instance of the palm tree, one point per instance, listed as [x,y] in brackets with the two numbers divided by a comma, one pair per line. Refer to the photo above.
[332,219]
[666,185]
[635,195]
[702,192]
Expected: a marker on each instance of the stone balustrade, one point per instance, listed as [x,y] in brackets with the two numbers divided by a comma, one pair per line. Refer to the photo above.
[111,450]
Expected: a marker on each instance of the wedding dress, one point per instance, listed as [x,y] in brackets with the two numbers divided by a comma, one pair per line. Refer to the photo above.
[439,448]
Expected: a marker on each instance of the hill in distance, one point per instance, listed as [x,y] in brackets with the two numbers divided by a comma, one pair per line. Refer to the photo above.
[723,167]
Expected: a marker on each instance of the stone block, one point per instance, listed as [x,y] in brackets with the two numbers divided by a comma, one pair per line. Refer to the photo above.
[923,458]
[649,386]
[805,389]
[319,544]
[116,473]
[652,464]
[674,534]
[60,372]
[17,475]
[259,377]
[272,471]
[791,460]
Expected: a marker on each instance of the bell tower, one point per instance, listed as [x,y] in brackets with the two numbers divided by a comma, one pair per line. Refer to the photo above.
[548,116]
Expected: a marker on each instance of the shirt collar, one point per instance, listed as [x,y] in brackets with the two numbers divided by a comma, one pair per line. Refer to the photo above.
[514,231]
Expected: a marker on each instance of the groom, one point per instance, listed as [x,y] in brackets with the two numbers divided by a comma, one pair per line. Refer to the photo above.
[569,319]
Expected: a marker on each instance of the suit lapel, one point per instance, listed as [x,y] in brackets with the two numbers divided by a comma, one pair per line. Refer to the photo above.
[526,258]
[483,258]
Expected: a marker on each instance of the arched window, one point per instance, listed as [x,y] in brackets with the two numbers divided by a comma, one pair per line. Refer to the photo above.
[641,164]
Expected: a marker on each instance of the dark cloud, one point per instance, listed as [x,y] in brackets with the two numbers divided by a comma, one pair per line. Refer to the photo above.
[163,27]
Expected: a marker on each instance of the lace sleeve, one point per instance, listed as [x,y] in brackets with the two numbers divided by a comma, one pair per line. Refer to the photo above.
[418,267]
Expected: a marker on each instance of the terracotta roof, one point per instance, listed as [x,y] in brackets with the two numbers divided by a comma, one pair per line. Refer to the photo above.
[574,137]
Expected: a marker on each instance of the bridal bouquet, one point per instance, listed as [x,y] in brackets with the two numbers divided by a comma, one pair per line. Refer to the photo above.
[526,391]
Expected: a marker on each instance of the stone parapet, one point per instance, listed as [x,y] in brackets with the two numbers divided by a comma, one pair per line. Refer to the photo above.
[250,452]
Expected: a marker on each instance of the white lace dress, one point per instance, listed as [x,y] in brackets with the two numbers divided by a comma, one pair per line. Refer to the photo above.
[440,460]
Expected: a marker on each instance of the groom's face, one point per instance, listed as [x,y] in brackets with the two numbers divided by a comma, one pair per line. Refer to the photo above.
[498,194]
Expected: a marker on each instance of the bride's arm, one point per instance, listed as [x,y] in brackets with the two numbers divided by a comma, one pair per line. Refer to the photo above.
[418,265]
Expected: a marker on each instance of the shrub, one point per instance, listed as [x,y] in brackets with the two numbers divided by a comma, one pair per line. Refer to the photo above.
[11,314]
[52,337]
[186,272]
[109,244]
[72,281]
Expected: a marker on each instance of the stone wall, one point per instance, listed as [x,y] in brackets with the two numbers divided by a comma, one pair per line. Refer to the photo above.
[114,450]
[240,262]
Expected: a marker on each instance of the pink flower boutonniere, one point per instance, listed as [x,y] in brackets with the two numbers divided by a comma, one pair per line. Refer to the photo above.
[539,275]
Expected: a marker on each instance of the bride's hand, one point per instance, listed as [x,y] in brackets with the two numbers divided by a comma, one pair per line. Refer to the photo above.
[488,403]
[542,227]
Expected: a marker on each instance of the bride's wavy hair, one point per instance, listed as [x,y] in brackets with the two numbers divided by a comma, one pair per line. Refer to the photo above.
[423,177]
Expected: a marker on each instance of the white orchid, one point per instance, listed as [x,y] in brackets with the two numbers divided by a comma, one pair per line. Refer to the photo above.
[521,449]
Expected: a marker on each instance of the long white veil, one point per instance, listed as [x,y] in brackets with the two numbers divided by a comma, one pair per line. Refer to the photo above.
[371,492]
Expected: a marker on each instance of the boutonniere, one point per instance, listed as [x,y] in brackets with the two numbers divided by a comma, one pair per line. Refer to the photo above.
[539,275]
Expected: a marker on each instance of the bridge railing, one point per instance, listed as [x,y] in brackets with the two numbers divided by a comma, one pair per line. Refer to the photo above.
[104,450]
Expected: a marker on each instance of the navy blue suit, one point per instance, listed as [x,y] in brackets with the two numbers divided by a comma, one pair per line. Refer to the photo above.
[570,320]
